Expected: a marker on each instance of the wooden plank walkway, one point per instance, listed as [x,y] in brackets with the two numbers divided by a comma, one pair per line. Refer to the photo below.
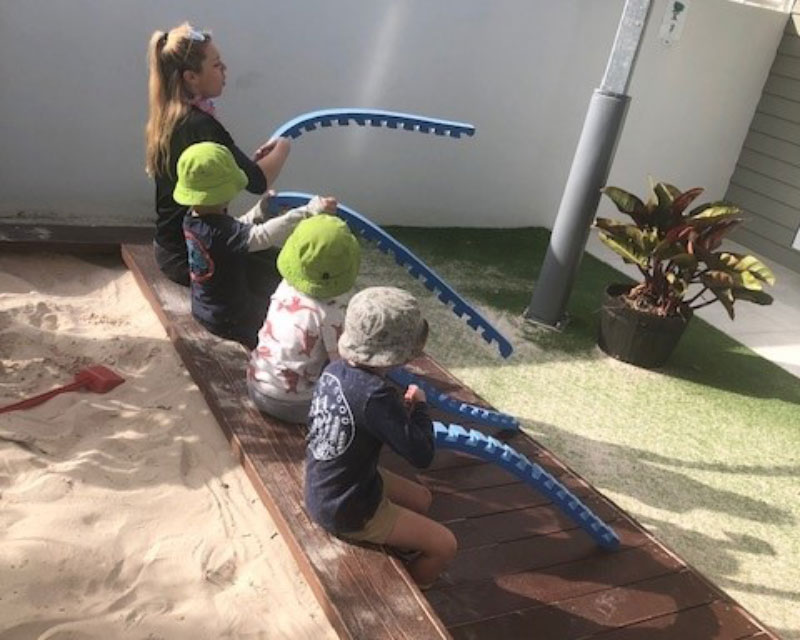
[523,570]
[70,238]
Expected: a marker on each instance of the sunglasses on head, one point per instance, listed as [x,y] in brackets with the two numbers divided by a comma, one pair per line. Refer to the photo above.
[197,36]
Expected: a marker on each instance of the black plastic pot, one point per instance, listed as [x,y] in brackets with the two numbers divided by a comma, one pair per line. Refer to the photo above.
[632,336]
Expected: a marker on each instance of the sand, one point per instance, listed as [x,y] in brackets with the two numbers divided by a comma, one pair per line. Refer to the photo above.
[124,515]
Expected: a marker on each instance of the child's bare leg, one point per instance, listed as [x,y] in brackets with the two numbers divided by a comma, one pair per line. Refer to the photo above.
[436,543]
[406,493]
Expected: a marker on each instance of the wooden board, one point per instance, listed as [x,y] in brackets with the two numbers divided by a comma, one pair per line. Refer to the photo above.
[70,238]
[364,592]
[523,570]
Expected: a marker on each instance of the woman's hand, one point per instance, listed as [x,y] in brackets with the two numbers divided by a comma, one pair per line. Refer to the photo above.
[270,157]
[265,149]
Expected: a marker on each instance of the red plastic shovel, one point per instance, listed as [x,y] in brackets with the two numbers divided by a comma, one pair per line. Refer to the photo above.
[96,378]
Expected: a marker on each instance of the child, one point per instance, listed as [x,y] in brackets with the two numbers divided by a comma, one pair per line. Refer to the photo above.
[354,411]
[186,72]
[319,264]
[218,245]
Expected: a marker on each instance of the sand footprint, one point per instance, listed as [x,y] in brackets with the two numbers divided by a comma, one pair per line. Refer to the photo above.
[218,565]
[224,574]
[147,609]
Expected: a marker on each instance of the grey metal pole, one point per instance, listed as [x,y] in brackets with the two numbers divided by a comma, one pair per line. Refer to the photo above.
[589,172]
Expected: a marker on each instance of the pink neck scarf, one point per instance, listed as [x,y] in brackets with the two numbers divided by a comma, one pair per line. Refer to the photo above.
[204,104]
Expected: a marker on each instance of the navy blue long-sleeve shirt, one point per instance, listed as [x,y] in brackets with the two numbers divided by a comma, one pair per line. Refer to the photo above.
[353,414]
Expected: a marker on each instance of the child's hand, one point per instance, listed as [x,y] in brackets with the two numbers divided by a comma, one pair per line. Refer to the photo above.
[323,204]
[413,395]
[263,206]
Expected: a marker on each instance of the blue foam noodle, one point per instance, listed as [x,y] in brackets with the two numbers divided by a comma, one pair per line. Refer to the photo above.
[377,118]
[456,432]
[475,437]
[429,283]
[404,257]
[444,402]
[533,474]
[439,429]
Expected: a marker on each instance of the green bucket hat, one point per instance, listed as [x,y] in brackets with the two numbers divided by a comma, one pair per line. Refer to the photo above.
[208,175]
[321,258]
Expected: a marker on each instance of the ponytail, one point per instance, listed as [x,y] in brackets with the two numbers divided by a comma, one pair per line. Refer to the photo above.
[169,54]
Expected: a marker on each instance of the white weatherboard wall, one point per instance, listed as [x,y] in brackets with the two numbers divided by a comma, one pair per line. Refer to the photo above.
[766,182]
[73,101]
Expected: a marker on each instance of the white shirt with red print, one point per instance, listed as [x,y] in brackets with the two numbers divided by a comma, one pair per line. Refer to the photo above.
[300,335]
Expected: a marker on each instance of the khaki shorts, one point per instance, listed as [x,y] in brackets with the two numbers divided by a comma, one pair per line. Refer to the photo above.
[381,524]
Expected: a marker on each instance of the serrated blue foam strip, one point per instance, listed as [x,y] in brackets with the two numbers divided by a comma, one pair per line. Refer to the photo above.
[375,118]
[363,226]
[441,400]
[473,442]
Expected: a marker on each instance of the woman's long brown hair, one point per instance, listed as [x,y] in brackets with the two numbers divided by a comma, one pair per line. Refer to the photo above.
[169,54]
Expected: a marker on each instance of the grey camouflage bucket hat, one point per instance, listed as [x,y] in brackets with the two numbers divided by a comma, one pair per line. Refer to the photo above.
[383,327]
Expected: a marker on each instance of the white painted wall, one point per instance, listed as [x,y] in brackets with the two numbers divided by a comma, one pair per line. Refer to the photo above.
[73,99]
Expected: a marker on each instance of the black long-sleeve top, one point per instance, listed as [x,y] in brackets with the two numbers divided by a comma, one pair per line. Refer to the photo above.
[353,413]
[197,126]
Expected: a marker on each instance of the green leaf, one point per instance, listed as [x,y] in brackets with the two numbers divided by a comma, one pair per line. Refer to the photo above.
[749,281]
[725,296]
[625,202]
[666,194]
[652,199]
[757,297]
[625,248]
[718,280]
[714,210]
[662,215]
[685,261]
[677,284]
[642,239]
[667,249]
[747,264]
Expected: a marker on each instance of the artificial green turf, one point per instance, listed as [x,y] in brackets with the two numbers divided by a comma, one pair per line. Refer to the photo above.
[705,355]
[704,452]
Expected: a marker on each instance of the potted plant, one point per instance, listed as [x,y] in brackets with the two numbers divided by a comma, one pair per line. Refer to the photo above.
[677,253]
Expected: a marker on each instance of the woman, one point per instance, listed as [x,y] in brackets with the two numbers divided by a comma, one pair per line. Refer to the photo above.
[186,73]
